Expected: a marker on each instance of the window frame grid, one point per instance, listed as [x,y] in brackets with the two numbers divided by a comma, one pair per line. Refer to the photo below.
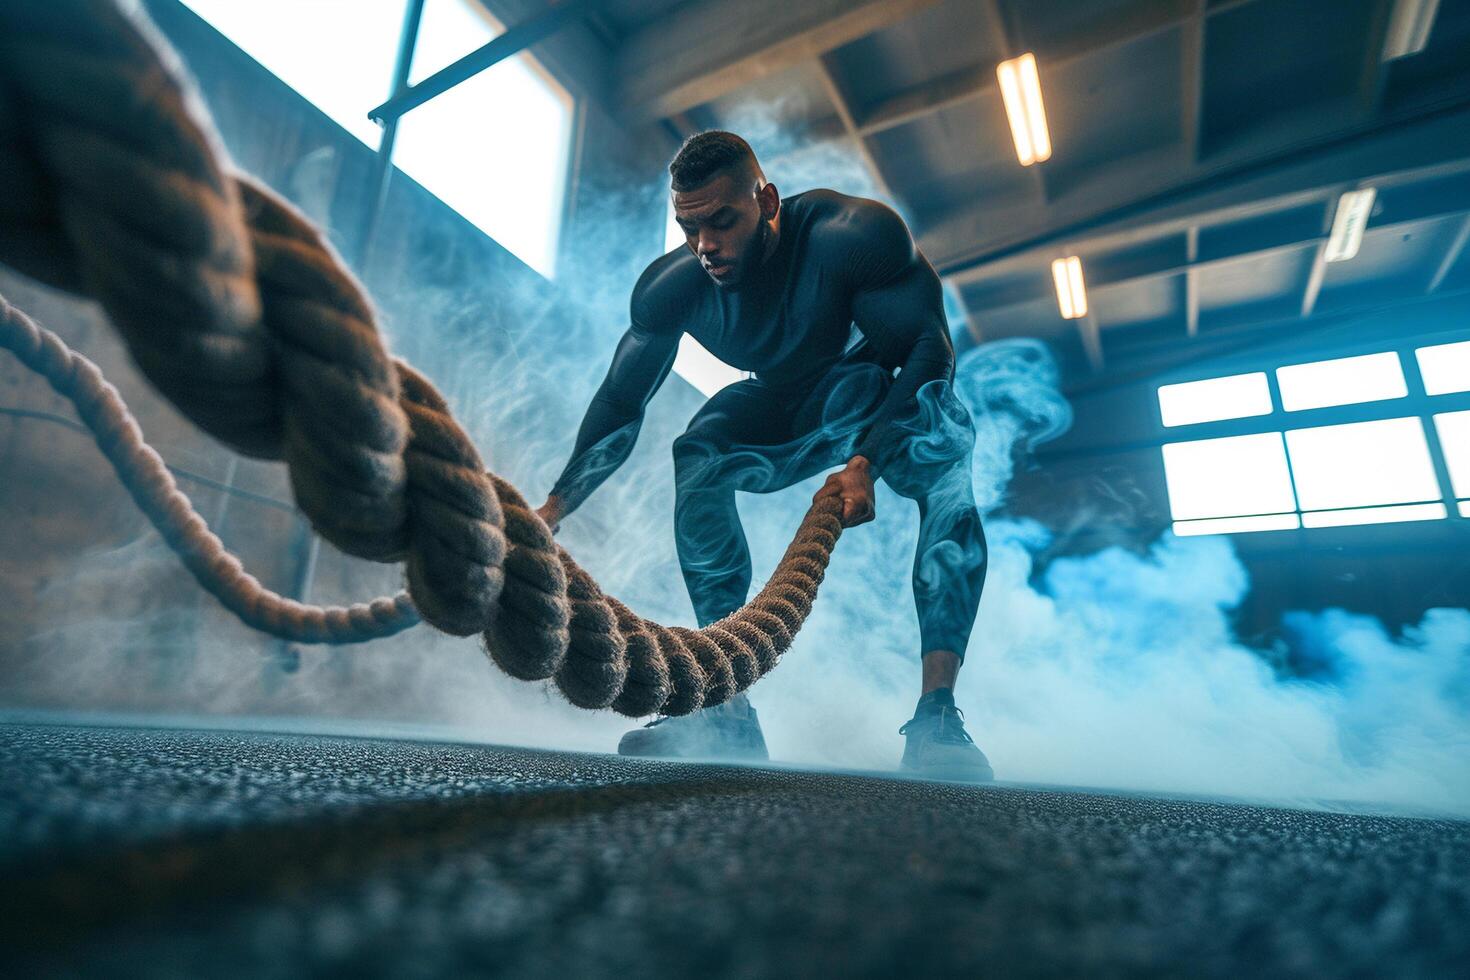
[1417,404]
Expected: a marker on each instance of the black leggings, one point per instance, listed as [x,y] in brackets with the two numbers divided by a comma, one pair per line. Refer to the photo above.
[752,437]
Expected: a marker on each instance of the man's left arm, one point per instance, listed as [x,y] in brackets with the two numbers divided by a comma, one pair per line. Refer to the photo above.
[898,305]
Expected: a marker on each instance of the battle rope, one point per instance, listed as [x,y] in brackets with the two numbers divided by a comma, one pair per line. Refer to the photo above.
[238,311]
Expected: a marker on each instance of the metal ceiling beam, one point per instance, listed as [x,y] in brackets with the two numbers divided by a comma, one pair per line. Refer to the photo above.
[844,114]
[710,48]
[1135,23]
[1265,332]
[1199,268]
[1318,271]
[1192,82]
[974,241]
[1191,283]
[498,49]
[1373,77]
[1451,256]
[1315,276]
[1091,336]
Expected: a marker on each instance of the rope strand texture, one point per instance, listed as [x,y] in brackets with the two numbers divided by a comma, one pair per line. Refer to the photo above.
[238,311]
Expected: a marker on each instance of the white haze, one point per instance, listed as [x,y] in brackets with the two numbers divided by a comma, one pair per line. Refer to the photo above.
[1111,670]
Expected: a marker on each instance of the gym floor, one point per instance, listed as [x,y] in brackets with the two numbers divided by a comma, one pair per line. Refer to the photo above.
[190,852]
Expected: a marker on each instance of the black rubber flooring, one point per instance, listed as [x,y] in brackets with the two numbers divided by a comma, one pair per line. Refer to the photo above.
[146,852]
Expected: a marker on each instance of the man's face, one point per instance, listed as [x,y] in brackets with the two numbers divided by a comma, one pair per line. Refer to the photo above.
[723,226]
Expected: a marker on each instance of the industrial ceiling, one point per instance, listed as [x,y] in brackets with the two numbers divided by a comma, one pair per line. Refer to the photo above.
[1200,148]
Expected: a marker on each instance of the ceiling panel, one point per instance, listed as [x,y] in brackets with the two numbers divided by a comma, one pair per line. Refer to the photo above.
[938,41]
[1275,59]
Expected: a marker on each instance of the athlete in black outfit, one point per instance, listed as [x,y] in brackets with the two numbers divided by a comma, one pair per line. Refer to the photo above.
[775,287]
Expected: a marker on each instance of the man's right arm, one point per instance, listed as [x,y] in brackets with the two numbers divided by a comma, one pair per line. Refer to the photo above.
[610,428]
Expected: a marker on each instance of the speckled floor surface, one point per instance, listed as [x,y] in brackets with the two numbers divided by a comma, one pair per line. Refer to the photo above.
[155,852]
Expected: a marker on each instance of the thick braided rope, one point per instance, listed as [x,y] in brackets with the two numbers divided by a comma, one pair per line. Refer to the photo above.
[152,487]
[238,311]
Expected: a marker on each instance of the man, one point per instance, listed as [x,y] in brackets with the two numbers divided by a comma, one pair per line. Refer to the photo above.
[775,287]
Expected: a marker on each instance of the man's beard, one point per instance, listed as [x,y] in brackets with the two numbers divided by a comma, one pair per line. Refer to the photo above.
[753,258]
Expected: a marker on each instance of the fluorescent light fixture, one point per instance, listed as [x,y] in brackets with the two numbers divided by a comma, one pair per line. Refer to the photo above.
[1454,439]
[1071,293]
[1408,28]
[1445,368]
[1362,464]
[1237,396]
[1375,515]
[1235,525]
[1342,381]
[1020,87]
[1237,476]
[1353,210]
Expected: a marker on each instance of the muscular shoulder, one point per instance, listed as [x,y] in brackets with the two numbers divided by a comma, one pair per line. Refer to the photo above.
[668,289]
[866,238]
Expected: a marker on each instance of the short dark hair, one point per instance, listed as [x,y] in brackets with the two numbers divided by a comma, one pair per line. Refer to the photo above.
[706,155]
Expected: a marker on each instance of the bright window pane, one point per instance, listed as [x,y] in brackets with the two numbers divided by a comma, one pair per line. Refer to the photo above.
[702,369]
[1375,515]
[1235,525]
[1445,367]
[1344,381]
[673,234]
[1362,464]
[337,53]
[494,147]
[1454,439]
[1234,397]
[1230,477]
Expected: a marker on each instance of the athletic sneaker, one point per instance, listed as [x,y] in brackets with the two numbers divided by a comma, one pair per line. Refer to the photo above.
[730,732]
[938,746]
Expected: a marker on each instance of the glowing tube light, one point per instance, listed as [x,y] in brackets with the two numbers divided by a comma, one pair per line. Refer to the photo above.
[1353,210]
[1071,294]
[1020,87]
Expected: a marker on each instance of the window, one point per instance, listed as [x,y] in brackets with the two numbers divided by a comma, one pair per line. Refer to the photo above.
[1232,477]
[1445,367]
[1454,438]
[1377,471]
[1362,464]
[1345,381]
[1235,525]
[494,147]
[1237,396]
[287,38]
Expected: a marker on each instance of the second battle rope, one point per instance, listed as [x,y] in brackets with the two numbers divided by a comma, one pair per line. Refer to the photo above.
[241,315]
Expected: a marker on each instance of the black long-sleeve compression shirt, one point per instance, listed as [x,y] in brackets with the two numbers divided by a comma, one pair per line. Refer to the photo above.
[840,261]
